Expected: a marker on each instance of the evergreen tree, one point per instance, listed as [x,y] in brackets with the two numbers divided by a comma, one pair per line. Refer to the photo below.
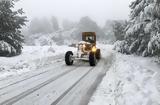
[87,25]
[153,28]
[68,25]
[40,25]
[135,35]
[144,27]
[55,24]
[108,30]
[11,22]
[118,28]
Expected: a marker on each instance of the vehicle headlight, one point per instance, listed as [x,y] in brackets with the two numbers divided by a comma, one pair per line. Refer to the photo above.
[94,49]
[84,45]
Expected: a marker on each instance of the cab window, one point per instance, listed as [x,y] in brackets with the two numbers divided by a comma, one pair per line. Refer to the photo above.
[90,39]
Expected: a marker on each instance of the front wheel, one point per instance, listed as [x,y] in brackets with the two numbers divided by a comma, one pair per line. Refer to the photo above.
[92,59]
[98,54]
[68,58]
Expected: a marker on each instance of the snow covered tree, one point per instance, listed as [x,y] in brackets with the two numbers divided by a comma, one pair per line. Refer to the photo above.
[108,30]
[40,25]
[55,24]
[35,26]
[86,24]
[135,35]
[118,28]
[142,34]
[68,25]
[11,22]
[153,27]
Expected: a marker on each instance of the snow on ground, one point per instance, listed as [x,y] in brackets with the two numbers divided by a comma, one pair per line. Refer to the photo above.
[131,80]
[31,58]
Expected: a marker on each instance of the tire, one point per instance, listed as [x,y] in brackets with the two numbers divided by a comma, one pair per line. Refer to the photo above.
[98,54]
[68,58]
[92,59]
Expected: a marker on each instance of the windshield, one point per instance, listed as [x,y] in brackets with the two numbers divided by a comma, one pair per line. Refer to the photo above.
[90,39]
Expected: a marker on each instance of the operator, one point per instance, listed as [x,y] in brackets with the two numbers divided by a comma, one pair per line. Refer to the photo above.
[90,40]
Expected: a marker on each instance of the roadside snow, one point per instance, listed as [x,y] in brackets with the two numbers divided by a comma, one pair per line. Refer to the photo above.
[131,80]
[31,58]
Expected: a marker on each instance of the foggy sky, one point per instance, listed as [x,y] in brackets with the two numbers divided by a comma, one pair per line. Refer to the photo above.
[98,10]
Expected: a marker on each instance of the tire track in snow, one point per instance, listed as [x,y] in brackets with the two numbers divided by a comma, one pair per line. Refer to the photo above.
[68,90]
[29,77]
[56,60]
[24,94]
[80,94]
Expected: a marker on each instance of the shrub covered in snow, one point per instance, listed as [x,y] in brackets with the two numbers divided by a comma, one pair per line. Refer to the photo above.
[121,46]
[154,45]
[10,25]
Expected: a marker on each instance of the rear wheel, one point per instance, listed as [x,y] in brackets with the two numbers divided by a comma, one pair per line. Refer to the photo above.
[92,59]
[68,58]
[98,54]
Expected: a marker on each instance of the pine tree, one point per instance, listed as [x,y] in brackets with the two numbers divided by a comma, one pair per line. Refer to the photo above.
[153,11]
[68,25]
[86,24]
[144,27]
[40,25]
[118,29]
[55,24]
[135,35]
[11,22]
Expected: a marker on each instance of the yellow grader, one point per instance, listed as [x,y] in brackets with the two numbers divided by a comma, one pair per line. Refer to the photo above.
[86,50]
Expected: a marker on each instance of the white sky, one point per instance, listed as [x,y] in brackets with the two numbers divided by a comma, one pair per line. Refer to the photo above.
[98,10]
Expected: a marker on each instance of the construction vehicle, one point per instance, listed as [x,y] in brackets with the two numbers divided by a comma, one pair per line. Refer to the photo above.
[86,50]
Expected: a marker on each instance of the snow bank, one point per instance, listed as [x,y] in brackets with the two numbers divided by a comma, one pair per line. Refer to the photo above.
[32,57]
[129,81]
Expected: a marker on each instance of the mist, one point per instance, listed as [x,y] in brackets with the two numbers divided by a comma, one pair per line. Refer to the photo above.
[98,10]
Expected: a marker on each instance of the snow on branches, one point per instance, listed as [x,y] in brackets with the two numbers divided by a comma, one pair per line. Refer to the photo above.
[143,31]
[11,22]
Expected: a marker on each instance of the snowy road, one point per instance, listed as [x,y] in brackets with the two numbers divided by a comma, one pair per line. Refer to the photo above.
[55,84]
